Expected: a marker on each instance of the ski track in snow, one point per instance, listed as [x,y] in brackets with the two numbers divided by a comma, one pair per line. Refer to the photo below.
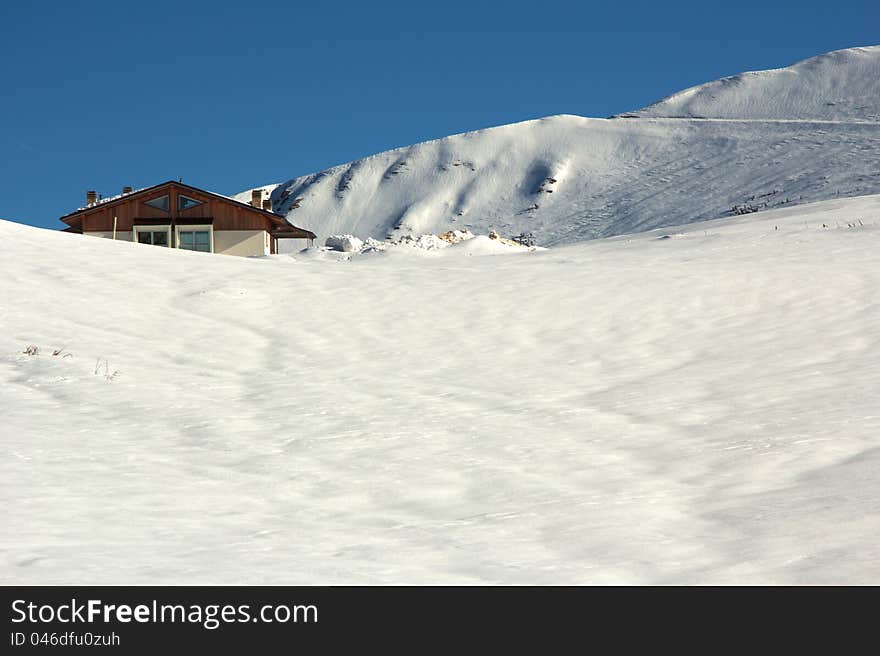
[690,405]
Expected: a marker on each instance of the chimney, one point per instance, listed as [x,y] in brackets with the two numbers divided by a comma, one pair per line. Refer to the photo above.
[126,190]
[257,198]
[267,205]
[91,197]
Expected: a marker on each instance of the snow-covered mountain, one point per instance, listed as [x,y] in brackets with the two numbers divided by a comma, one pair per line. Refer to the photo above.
[795,135]
[843,85]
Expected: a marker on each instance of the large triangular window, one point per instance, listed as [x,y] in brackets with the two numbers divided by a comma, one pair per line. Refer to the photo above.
[185,202]
[160,203]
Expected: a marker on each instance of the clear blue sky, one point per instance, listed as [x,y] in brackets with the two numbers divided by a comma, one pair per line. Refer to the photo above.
[97,95]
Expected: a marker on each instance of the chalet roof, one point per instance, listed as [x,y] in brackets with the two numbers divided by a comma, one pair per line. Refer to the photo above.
[282,225]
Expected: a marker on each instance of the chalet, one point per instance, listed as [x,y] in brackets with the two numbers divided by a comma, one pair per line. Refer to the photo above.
[176,215]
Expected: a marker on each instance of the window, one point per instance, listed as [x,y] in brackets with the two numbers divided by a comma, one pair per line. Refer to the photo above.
[185,202]
[158,237]
[195,240]
[160,203]
[195,237]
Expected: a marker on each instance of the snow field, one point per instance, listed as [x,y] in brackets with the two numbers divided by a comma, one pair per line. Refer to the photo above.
[690,405]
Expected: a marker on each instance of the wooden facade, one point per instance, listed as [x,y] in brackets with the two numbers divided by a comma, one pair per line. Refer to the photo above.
[125,213]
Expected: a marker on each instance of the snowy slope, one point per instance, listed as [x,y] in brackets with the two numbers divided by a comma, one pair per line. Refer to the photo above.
[843,85]
[694,405]
[568,179]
